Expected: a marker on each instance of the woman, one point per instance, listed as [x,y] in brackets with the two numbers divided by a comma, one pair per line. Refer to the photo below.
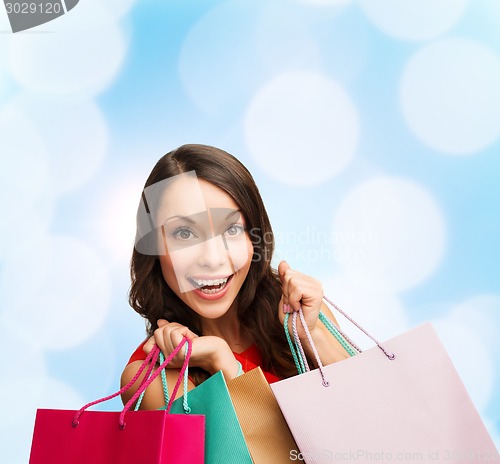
[201,268]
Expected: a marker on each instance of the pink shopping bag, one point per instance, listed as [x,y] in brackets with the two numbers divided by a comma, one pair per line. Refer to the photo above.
[126,437]
[402,401]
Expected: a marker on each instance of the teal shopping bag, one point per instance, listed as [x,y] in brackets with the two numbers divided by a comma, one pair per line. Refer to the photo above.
[224,440]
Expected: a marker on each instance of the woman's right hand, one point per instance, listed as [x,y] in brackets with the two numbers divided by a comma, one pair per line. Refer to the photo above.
[209,352]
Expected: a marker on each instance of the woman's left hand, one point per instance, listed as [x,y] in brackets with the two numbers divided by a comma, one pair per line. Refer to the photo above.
[300,290]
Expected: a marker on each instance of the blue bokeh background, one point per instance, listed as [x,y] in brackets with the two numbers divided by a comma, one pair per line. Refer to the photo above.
[371,128]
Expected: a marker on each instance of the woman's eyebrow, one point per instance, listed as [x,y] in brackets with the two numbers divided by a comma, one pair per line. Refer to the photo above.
[185,218]
[232,213]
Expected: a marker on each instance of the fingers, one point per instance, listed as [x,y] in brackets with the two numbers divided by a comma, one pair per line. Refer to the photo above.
[298,289]
[178,333]
[291,292]
[282,268]
[148,346]
[167,336]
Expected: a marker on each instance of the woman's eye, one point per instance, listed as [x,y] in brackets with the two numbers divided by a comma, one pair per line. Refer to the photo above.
[183,233]
[235,229]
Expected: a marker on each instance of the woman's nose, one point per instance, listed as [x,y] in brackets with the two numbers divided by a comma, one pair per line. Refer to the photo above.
[213,252]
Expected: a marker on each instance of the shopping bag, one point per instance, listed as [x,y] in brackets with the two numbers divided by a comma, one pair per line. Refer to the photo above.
[401,401]
[266,433]
[224,440]
[126,437]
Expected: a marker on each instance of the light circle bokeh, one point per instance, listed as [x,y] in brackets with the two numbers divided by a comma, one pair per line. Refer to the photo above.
[450,96]
[481,313]
[218,63]
[117,7]
[116,213]
[471,359]
[285,40]
[81,53]
[302,128]
[413,20]
[24,175]
[393,229]
[58,289]
[370,303]
[75,133]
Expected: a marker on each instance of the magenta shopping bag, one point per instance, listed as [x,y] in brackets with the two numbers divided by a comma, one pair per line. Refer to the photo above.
[126,437]
[402,401]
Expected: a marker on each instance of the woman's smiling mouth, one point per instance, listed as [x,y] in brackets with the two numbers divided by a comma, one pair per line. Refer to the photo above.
[212,287]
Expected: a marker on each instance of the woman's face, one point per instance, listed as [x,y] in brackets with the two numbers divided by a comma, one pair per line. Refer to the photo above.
[208,250]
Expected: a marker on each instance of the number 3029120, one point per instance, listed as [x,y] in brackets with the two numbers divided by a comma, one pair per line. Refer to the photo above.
[33,8]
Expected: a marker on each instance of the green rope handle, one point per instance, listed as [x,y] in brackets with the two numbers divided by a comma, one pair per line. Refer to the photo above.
[299,365]
[185,405]
[164,380]
[333,330]
[164,384]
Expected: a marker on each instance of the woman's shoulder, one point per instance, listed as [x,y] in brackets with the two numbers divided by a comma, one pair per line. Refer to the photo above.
[139,354]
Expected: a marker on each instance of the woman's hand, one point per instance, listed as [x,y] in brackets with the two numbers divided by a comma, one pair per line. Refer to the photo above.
[300,290]
[208,352]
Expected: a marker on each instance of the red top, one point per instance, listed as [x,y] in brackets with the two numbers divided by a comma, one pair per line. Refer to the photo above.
[249,359]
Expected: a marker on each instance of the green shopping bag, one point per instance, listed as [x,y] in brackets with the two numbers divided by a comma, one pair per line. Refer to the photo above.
[224,440]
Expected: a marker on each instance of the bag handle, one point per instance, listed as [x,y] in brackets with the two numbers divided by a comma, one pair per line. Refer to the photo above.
[163,381]
[301,361]
[387,353]
[149,361]
[157,372]
[185,404]
[325,381]
[300,357]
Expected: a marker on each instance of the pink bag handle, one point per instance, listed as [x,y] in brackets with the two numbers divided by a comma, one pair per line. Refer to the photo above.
[325,381]
[391,356]
[150,360]
[388,354]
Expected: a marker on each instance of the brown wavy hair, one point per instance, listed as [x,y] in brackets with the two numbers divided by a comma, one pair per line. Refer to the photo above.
[258,298]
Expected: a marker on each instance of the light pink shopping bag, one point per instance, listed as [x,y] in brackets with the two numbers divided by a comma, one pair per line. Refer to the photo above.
[400,402]
[126,437]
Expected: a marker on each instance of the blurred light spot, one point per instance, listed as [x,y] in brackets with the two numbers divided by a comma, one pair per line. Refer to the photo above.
[114,216]
[35,392]
[470,357]
[75,134]
[413,20]
[57,290]
[302,128]
[57,394]
[450,96]
[82,53]
[27,227]
[15,353]
[285,41]
[390,229]
[24,159]
[370,303]
[481,314]
[117,7]
[218,65]
[16,441]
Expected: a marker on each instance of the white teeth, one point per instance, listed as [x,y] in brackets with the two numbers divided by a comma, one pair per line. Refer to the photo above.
[205,282]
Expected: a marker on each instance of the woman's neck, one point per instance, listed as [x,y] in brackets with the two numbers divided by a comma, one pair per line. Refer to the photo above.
[228,328]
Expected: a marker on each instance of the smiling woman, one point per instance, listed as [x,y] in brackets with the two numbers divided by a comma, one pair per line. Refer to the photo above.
[202,269]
